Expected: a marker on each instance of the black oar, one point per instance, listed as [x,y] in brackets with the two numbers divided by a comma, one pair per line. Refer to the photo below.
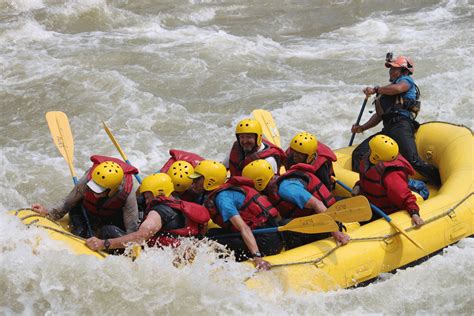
[358,119]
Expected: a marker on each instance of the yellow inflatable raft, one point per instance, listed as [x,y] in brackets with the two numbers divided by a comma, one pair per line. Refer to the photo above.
[375,247]
[57,231]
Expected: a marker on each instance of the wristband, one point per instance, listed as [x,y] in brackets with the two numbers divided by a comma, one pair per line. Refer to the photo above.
[258,254]
[376,89]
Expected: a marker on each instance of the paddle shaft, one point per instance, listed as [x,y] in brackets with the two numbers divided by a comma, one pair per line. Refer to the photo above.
[255,232]
[119,148]
[358,119]
[66,146]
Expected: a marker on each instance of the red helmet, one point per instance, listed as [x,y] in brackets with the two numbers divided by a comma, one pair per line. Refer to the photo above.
[401,62]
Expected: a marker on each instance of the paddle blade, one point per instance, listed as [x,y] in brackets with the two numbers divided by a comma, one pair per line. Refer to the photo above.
[354,209]
[269,129]
[402,231]
[58,124]
[313,224]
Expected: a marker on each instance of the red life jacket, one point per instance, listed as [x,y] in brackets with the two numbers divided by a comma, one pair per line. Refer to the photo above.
[176,155]
[196,218]
[238,160]
[255,211]
[324,156]
[371,180]
[313,185]
[112,205]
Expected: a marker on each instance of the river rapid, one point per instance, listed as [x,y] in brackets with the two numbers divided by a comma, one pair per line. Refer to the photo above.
[181,74]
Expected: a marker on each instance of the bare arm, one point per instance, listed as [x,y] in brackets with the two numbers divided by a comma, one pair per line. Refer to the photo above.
[147,229]
[315,204]
[374,120]
[391,89]
[58,210]
[246,232]
[394,89]
[249,240]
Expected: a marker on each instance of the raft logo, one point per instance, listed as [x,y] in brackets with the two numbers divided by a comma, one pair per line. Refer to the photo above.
[308,222]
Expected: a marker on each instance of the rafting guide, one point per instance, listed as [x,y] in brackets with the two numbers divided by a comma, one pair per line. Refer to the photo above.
[397,106]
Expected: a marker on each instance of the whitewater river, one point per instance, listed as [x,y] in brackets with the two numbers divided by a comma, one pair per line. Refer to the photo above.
[181,74]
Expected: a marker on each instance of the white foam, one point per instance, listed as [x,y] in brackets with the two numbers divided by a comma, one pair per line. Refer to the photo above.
[26,5]
[26,30]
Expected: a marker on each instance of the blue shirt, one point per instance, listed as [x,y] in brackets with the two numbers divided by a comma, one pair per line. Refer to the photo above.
[411,93]
[293,191]
[228,203]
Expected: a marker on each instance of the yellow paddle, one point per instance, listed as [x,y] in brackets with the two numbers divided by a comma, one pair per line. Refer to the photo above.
[61,132]
[58,124]
[386,217]
[313,224]
[117,145]
[354,209]
[269,129]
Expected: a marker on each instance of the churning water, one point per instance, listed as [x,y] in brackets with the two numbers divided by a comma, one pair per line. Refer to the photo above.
[181,74]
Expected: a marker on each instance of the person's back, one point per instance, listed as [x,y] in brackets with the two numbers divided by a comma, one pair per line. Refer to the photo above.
[291,192]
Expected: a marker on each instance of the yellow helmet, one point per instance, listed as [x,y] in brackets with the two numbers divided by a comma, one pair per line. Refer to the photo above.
[305,143]
[214,174]
[179,172]
[158,184]
[382,148]
[260,171]
[249,126]
[107,175]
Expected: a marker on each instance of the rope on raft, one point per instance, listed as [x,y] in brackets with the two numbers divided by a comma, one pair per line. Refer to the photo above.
[449,213]
[65,233]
